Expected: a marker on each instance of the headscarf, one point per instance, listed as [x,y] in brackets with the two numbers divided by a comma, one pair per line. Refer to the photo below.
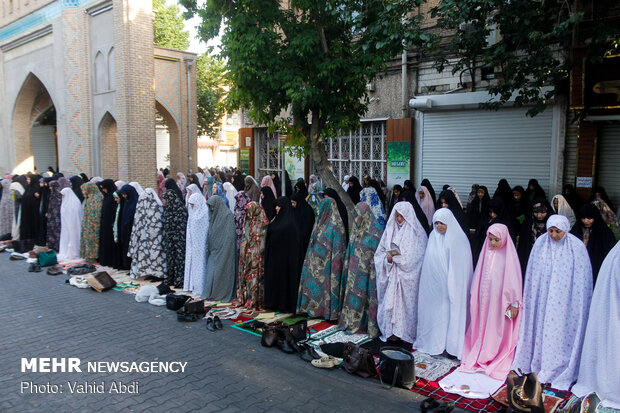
[195,180]
[304,218]
[320,283]
[76,184]
[17,191]
[444,288]
[288,185]
[522,207]
[301,189]
[315,185]
[251,189]
[478,209]
[282,260]
[6,208]
[230,191]
[196,243]
[571,197]
[241,200]
[504,191]
[83,176]
[427,184]
[221,252]
[268,182]
[146,246]
[190,190]
[602,196]
[354,189]
[174,220]
[342,210]
[345,182]
[238,181]
[137,187]
[171,185]
[71,214]
[427,204]
[532,229]
[397,283]
[564,209]
[534,190]
[96,179]
[30,204]
[250,291]
[473,193]
[129,206]
[455,207]
[209,186]
[359,301]
[268,202]
[409,196]
[181,181]
[491,337]
[551,336]
[369,196]
[119,184]
[599,239]
[91,223]
[221,193]
[277,183]
[161,187]
[108,253]
[598,370]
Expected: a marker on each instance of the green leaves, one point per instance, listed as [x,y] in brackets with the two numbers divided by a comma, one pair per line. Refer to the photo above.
[168,26]
[209,94]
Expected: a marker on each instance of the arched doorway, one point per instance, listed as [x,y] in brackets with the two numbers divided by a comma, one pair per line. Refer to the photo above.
[167,135]
[34,128]
[109,146]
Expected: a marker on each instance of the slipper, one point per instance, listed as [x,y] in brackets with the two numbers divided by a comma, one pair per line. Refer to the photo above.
[428,404]
[326,362]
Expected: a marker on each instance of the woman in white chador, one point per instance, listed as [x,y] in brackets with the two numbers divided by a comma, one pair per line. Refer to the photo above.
[599,369]
[556,301]
[444,288]
[398,275]
[71,214]
[196,244]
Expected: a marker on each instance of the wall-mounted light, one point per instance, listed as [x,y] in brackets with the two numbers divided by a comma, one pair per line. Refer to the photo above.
[420,103]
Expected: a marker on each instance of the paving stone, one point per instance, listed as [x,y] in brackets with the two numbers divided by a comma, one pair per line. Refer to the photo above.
[227,371]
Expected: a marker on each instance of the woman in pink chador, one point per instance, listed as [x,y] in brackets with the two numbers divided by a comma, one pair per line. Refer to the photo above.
[267,181]
[492,336]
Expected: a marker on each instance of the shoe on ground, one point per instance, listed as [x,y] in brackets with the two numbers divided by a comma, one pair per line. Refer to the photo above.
[328,362]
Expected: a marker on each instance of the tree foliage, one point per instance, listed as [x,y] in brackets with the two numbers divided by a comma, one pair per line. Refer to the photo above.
[312,58]
[210,94]
[533,47]
[168,26]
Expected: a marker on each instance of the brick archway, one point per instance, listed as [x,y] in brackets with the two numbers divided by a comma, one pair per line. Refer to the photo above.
[108,141]
[32,101]
[176,147]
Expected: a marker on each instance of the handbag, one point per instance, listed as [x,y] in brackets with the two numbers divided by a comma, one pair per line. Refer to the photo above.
[101,281]
[524,393]
[81,269]
[358,360]
[23,245]
[195,307]
[396,366]
[270,334]
[299,331]
[47,258]
[176,301]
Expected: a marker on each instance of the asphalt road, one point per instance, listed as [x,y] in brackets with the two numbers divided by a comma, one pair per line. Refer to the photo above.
[226,371]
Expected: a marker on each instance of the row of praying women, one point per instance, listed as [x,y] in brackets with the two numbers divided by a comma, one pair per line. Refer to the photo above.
[399,278]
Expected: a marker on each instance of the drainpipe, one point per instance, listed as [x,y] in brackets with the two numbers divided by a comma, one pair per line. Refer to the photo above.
[188,65]
[405,94]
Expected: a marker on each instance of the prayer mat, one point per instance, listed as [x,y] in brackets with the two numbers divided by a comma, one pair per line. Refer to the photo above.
[432,389]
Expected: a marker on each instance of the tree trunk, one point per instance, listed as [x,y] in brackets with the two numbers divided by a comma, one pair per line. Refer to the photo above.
[319,156]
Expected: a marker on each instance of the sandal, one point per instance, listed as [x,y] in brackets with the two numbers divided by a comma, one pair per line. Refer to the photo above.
[326,362]
[428,404]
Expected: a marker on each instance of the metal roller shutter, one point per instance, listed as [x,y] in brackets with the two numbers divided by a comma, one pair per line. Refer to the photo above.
[44,147]
[461,148]
[609,161]
[570,154]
